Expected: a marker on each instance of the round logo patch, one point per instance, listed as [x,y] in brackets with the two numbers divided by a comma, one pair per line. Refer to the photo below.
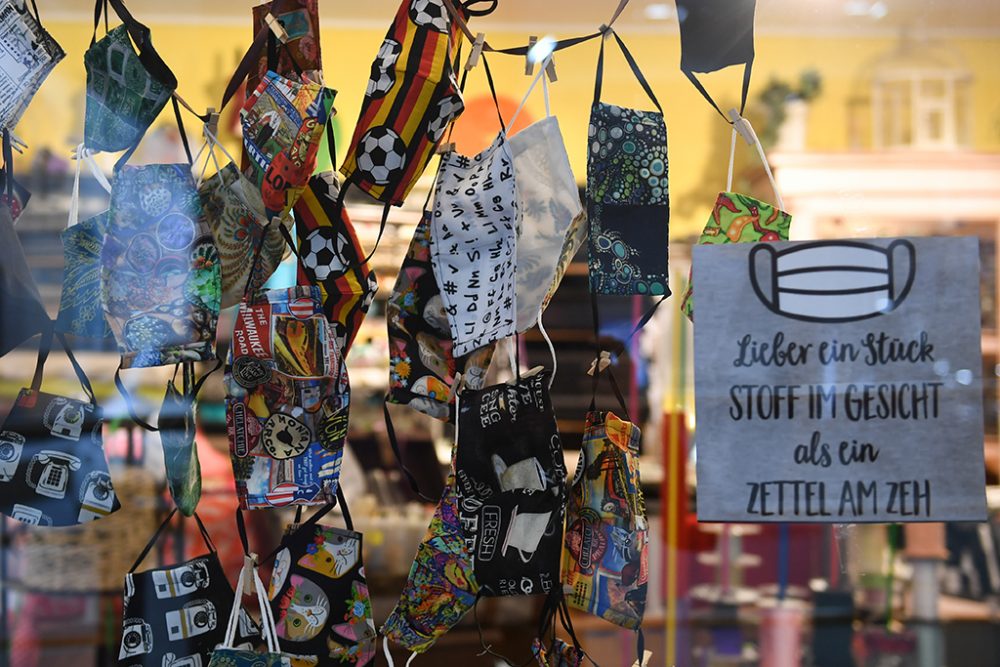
[250,372]
[284,436]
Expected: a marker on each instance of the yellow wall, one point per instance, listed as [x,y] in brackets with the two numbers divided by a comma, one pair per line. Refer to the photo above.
[203,57]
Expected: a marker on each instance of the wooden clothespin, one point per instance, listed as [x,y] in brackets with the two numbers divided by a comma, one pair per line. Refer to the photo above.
[550,69]
[600,364]
[646,655]
[276,27]
[477,50]
[529,65]
[446,147]
[743,127]
[249,566]
[212,126]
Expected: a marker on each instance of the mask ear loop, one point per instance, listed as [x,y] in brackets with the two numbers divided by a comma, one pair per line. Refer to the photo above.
[548,341]
[82,154]
[534,82]
[743,127]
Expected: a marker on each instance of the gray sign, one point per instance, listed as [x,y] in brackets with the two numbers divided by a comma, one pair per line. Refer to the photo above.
[839,381]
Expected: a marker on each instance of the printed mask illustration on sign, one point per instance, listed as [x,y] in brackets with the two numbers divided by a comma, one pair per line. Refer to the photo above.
[282,124]
[833,281]
[628,204]
[422,363]
[125,90]
[29,55]
[605,558]
[511,486]
[286,401]
[174,615]
[549,202]
[474,244]
[332,257]
[841,389]
[319,596]
[161,276]
[232,209]
[411,98]
[52,466]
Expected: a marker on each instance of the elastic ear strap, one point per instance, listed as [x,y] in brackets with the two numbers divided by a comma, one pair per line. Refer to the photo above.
[636,71]
[732,161]
[241,529]
[81,375]
[552,348]
[8,166]
[493,93]
[599,78]
[534,82]
[74,200]
[381,230]
[295,250]
[180,128]
[44,347]
[249,61]
[266,614]
[129,404]
[152,541]
[234,613]
[343,508]
[391,434]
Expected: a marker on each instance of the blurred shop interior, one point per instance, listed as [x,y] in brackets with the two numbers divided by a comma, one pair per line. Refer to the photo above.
[879,118]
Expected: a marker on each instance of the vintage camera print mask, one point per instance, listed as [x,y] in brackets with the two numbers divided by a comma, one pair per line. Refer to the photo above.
[173,616]
[52,466]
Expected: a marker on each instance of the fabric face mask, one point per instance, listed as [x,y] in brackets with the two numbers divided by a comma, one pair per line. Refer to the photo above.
[411,98]
[228,654]
[714,35]
[160,269]
[605,557]
[627,199]
[238,228]
[52,466]
[126,90]
[21,308]
[283,122]
[332,257]
[319,596]
[511,487]
[549,202]
[422,363]
[80,310]
[174,615]
[301,53]
[29,55]
[286,401]
[474,243]
[441,586]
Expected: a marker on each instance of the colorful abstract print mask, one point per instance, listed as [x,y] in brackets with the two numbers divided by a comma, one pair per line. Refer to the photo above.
[286,401]
[319,598]
[422,364]
[161,273]
[628,204]
[738,218]
[441,587]
[605,557]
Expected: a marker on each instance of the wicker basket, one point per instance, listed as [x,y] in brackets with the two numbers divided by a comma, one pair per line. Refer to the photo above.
[94,556]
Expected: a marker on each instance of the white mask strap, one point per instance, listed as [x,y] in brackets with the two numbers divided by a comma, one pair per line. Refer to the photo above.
[534,82]
[743,127]
[552,349]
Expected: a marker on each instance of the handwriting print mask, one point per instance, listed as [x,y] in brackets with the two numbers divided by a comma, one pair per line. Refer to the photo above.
[605,554]
[286,401]
[511,486]
[282,124]
[319,596]
[52,466]
[474,245]
[29,55]
[232,209]
[126,90]
[411,98]
[332,257]
[627,201]
[161,276]
[549,202]
[422,363]
[176,615]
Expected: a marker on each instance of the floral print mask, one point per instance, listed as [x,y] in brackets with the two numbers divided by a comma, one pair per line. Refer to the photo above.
[628,204]
[160,275]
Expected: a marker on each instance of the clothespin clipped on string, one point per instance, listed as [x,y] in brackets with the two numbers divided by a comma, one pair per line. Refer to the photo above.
[646,655]
[446,147]
[249,564]
[211,128]
[529,64]
[549,58]
[743,127]
[477,50]
[16,143]
[276,27]
[600,364]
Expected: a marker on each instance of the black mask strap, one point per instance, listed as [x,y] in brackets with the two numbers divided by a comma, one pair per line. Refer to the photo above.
[159,531]
[390,432]
[745,91]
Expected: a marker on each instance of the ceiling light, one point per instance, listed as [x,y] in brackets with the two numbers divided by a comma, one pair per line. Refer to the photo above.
[659,11]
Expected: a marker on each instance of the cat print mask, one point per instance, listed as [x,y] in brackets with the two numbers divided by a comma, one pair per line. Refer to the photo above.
[319,596]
